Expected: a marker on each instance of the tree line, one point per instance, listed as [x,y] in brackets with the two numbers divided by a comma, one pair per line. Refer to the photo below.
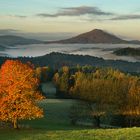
[57,60]
[103,90]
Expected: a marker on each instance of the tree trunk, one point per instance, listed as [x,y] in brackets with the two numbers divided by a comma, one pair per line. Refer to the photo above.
[15,124]
[97,119]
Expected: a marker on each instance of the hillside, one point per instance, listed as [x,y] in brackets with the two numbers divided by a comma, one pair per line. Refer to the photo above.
[57,60]
[10,40]
[128,52]
[95,36]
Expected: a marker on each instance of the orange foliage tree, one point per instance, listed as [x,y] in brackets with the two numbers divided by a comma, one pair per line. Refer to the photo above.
[18,92]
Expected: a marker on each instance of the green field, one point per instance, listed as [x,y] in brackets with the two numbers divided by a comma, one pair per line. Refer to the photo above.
[55,126]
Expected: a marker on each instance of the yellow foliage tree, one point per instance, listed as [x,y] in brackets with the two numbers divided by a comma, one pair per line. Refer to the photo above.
[18,92]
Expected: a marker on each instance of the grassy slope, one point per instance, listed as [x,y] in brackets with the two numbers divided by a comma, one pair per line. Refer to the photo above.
[56,126]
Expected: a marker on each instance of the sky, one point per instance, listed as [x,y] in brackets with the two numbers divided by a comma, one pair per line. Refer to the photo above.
[120,17]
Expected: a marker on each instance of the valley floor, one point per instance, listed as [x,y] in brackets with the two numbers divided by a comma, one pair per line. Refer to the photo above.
[56,126]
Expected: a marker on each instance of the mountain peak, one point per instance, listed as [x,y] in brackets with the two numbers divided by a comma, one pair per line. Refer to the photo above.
[97,30]
[94,36]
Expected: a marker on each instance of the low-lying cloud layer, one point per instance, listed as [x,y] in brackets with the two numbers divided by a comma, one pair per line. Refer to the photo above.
[77,11]
[7,31]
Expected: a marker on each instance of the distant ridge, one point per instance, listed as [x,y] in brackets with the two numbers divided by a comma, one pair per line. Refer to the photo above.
[92,37]
[11,40]
[57,60]
[95,36]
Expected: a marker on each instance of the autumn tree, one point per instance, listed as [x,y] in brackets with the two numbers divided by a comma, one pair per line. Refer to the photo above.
[44,73]
[18,92]
[104,91]
[92,92]
[38,72]
[61,80]
[131,109]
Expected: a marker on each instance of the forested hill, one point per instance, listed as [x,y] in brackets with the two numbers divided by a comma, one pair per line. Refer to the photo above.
[56,60]
[128,52]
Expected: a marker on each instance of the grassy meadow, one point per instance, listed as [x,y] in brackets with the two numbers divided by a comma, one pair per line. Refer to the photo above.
[56,126]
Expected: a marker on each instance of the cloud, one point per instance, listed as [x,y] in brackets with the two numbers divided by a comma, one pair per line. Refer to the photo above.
[77,11]
[126,17]
[18,16]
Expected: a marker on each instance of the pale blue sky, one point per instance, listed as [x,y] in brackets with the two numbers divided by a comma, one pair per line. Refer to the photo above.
[30,7]
[117,16]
